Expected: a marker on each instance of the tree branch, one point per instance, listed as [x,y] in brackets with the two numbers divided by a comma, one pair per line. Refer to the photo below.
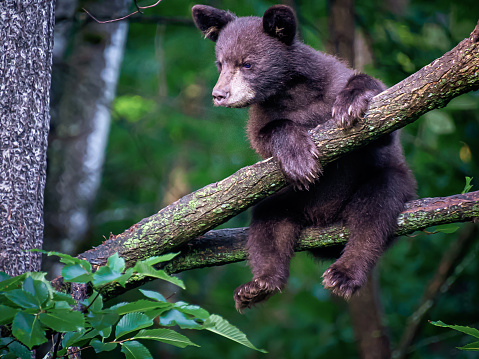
[455,73]
[220,247]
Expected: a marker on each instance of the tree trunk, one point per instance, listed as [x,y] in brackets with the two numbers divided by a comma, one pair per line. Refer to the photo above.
[82,91]
[26,30]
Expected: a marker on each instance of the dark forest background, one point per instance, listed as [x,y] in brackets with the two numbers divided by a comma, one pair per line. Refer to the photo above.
[134,129]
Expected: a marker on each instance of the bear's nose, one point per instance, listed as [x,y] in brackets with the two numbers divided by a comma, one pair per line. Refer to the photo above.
[219,96]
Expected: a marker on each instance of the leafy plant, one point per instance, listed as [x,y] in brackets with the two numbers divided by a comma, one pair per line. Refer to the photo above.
[467,330]
[468,185]
[33,312]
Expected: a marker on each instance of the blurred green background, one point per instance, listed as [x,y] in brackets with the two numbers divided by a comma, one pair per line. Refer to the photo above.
[166,140]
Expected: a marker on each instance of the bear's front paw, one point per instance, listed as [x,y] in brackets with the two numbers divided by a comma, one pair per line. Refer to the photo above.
[258,290]
[343,281]
[350,107]
[300,165]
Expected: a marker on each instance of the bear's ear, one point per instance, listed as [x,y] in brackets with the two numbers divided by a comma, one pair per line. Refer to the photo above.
[279,21]
[211,20]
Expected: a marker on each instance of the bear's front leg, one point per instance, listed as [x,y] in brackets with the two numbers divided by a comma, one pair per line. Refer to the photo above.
[291,145]
[272,235]
[352,102]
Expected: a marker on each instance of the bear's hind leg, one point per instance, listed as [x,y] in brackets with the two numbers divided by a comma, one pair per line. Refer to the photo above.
[271,240]
[371,218]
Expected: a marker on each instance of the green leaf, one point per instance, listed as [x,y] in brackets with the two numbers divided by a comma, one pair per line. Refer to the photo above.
[148,270]
[74,339]
[167,336]
[94,302]
[131,322]
[59,296]
[224,328]
[102,320]
[63,320]
[23,299]
[12,283]
[472,346]
[174,317]
[467,330]
[15,348]
[158,259]
[105,275]
[4,276]
[468,185]
[28,330]
[447,228]
[7,314]
[193,310]
[141,305]
[66,258]
[99,346]
[76,273]
[153,295]
[116,263]
[439,122]
[36,288]
[135,350]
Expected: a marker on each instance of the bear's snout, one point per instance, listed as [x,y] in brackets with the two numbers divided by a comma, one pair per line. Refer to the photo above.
[220,96]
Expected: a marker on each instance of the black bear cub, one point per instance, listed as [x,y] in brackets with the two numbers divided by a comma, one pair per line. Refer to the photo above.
[291,88]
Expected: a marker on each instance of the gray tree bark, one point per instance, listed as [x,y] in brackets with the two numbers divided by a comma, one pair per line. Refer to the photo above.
[26,30]
[83,88]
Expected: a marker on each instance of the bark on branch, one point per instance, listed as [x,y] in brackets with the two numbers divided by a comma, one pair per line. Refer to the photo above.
[433,86]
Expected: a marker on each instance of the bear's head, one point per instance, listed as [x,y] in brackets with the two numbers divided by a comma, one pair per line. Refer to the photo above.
[253,54]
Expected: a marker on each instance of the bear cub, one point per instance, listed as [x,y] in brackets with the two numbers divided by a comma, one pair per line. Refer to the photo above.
[290,89]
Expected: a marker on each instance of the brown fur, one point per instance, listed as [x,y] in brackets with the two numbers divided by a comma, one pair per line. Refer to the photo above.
[292,88]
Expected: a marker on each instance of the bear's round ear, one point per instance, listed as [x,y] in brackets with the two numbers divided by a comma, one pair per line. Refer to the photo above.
[279,21]
[211,20]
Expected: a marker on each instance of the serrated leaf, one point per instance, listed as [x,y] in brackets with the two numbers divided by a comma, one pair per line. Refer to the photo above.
[15,348]
[467,330]
[167,336]
[12,283]
[99,346]
[193,310]
[23,299]
[135,350]
[102,320]
[472,346]
[149,271]
[76,273]
[141,305]
[28,330]
[153,295]
[59,296]
[63,320]
[37,289]
[224,328]
[73,339]
[175,317]
[7,314]
[131,322]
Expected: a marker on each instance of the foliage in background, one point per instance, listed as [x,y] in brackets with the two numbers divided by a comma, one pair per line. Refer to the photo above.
[34,312]
[167,139]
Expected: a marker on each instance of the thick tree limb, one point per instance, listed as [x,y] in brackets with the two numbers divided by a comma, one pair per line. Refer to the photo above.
[433,86]
[219,247]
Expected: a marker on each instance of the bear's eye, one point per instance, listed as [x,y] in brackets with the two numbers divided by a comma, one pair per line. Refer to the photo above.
[246,65]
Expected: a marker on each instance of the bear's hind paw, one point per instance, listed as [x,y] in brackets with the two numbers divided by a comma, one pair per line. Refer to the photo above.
[341,282]
[251,293]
